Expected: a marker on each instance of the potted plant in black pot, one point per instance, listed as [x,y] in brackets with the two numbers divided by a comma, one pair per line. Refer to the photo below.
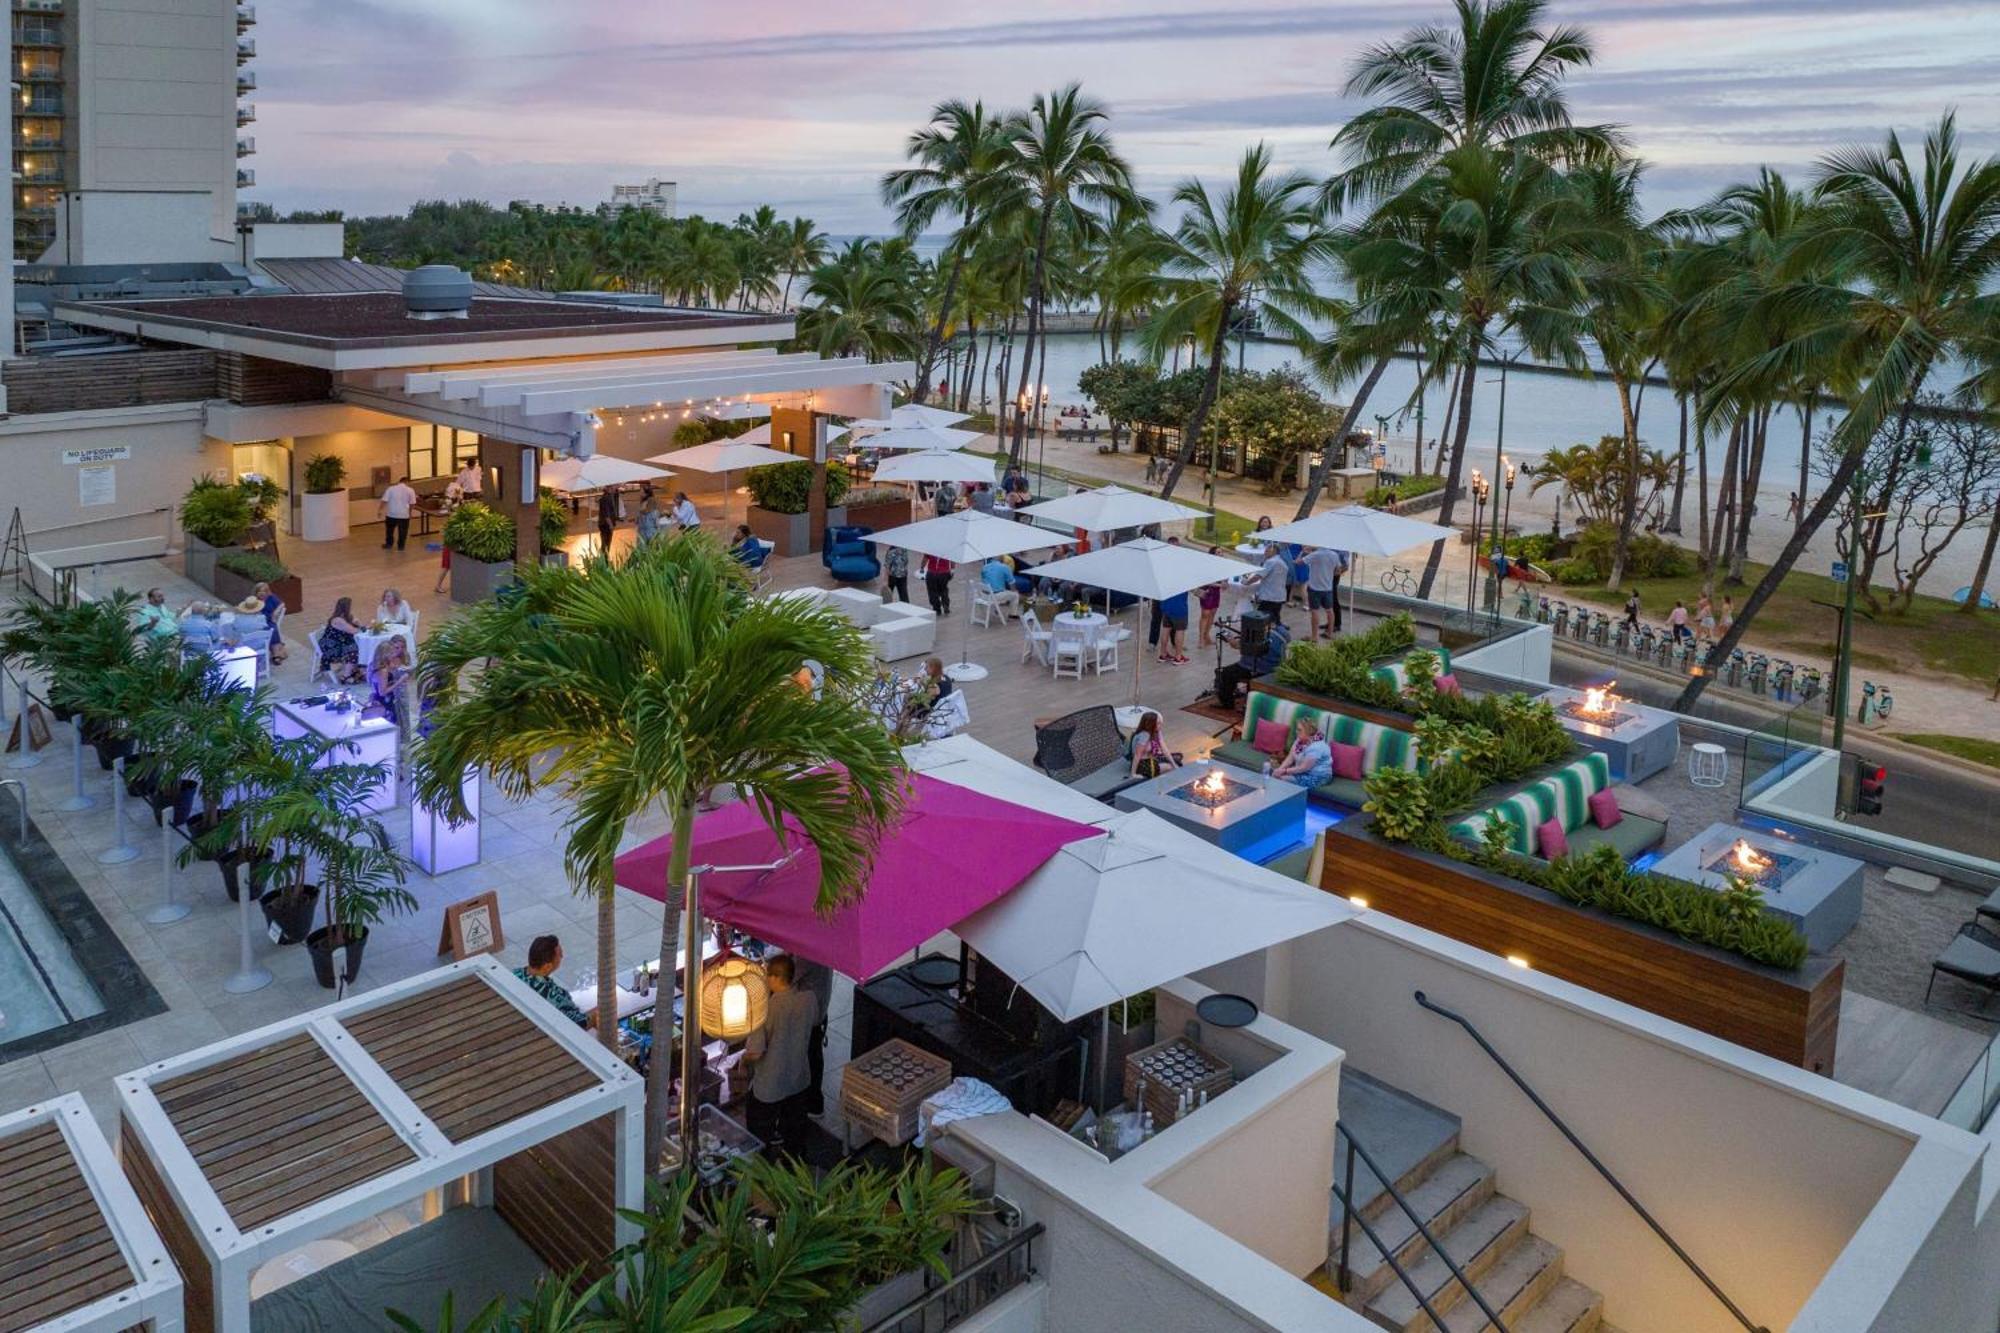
[67,645]
[214,518]
[554,528]
[214,737]
[324,510]
[481,541]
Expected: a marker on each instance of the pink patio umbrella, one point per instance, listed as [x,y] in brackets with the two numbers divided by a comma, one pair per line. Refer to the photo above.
[952,852]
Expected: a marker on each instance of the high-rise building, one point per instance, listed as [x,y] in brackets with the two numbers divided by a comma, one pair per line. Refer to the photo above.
[655,196]
[125,131]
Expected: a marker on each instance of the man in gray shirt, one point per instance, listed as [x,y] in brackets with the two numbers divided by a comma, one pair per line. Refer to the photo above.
[1324,566]
[781,1072]
[1274,583]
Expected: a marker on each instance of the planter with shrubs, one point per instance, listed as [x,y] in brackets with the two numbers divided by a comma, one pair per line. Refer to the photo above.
[779,497]
[324,516]
[481,541]
[238,572]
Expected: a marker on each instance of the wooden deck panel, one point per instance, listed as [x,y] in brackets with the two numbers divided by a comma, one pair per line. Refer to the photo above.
[57,1253]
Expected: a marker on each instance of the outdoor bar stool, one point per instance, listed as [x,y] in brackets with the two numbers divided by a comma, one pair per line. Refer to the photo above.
[1708,764]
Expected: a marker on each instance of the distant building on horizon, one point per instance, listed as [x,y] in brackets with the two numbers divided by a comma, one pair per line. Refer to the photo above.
[655,196]
[125,144]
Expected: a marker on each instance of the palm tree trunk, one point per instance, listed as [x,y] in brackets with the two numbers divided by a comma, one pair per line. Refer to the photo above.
[1348,421]
[1218,352]
[1628,485]
[1980,575]
[660,1073]
[1468,375]
[936,340]
[607,965]
[1020,442]
[1701,473]
[1450,414]
[1725,492]
[1680,470]
[1746,514]
[1417,456]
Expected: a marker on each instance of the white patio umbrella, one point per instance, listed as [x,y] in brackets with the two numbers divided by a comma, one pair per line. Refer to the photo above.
[1109,508]
[919,437]
[936,465]
[570,475]
[1147,569]
[725,457]
[1145,904]
[912,414]
[761,434]
[963,538]
[1359,530]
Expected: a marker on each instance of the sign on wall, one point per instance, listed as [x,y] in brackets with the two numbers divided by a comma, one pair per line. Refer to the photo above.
[110,453]
[97,485]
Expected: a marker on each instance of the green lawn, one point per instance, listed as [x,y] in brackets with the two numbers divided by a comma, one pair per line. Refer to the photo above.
[1932,636]
[1965,747]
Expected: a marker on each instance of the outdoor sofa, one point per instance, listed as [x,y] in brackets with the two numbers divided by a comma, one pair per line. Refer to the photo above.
[1565,794]
[1380,746]
[896,629]
[1086,752]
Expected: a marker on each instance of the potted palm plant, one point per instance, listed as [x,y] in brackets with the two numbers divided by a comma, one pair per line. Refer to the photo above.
[554,528]
[66,645]
[212,738]
[481,541]
[306,815]
[781,493]
[324,509]
[214,518]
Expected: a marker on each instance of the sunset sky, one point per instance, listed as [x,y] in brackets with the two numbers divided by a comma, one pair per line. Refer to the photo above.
[369,106]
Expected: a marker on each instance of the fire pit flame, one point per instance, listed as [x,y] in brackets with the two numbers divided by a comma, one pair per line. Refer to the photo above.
[1748,860]
[1599,701]
[1214,784]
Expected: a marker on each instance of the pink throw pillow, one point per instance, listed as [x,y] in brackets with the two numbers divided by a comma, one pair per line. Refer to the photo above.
[1271,737]
[1550,840]
[1347,760]
[1604,811]
[1446,684]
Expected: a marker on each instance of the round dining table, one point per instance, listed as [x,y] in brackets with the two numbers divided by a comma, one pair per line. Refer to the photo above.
[1089,622]
[368,640]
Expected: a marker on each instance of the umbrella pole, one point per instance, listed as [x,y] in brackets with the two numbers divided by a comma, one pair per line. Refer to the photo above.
[1100,1062]
[1139,657]
[964,670]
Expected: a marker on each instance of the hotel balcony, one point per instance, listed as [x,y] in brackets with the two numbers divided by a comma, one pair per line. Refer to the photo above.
[40,102]
[246,81]
[38,31]
[246,17]
[39,67]
[246,49]
[245,178]
[246,112]
[40,172]
[38,6]
[37,143]
[246,145]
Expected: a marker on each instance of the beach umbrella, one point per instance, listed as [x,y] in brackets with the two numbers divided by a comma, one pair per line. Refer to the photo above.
[1147,569]
[919,437]
[1111,508]
[951,851]
[571,475]
[725,457]
[761,434]
[936,465]
[912,414]
[964,538]
[1359,530]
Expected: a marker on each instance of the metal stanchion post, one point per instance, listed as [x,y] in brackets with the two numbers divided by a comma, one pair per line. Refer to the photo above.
[168,911]
[124,850]
[248,976]
[78,799]
[23,757]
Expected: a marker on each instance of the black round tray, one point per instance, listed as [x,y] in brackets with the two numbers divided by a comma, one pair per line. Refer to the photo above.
[936,970]
[1226,1011]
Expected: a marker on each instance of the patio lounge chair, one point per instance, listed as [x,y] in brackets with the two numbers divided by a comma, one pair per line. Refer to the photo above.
[1974,957]
[1989,909]
[1085,750]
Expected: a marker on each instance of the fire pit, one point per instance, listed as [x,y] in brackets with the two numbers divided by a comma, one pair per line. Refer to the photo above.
[1639,741]
[1237,810]
[1818,891]
[1596,703]
[1765,867]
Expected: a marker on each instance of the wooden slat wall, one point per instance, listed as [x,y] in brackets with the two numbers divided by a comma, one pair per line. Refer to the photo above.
[125,379]
[558,1196]
[468,1058]
[56,1252]
[279,1129]
[1794,1017]
[256,381]
[176,1233]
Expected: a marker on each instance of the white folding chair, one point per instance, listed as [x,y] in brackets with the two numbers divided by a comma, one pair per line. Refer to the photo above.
[319,672]
[1068,644]
[1034,639]
[415,634]
[1104,651]
[983,606]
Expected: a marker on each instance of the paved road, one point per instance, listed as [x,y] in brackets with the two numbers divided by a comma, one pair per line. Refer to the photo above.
[1928,800]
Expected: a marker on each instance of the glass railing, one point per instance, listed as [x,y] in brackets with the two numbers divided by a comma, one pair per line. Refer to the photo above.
[1972,1105]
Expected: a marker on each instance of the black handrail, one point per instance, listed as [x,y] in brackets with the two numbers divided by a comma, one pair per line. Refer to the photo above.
[1423,1302]
[1592,1158]
[1021,1240]
[1348,1214]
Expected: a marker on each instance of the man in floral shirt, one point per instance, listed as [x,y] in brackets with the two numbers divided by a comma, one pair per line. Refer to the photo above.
[545,955]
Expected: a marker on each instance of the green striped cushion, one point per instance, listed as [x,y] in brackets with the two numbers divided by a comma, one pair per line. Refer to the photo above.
[1381,746]
[1394,673]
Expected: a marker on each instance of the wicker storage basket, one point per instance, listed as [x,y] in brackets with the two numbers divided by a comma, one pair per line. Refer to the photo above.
[1168,1069]
[881,1090]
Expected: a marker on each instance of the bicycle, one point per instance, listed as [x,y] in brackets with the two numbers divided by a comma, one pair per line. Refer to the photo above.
[1400,579]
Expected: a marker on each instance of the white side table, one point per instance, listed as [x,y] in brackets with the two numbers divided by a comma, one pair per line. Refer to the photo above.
[1708,764]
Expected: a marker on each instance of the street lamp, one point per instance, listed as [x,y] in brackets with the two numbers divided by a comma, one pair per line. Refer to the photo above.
[1500,431]
[1506,522]
[1480,488]
[1042,436]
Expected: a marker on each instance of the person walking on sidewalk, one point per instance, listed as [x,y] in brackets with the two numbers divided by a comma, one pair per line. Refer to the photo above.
[395,506]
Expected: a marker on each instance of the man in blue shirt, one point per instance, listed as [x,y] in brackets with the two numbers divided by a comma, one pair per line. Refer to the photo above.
[1174,619]
[999,581]
[1324,566]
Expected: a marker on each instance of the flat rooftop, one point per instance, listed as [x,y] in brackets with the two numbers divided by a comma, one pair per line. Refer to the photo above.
[335,321]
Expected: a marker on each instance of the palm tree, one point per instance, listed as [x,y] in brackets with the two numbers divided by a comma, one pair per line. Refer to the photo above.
[1253,253]
[1898,273]
[862,302]
[644,686]
[801,249]
[1060,169]
[953,158]
[1493,82]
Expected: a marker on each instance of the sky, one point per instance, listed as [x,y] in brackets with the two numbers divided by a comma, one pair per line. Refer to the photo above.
[370,105]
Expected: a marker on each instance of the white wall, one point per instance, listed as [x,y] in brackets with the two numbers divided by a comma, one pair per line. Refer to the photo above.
[1527,655]
[167,452]
[1022,1310]
[1764,1172]
[294,240]
[137,227]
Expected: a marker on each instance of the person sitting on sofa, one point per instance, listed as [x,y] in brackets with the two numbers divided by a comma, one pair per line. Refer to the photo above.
[1310,764]
[747,548]
[1149,753]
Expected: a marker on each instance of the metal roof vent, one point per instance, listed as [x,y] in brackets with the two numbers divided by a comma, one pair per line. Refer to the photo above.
[437,291]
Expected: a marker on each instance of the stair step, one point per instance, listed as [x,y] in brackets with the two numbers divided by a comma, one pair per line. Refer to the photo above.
[1570,1307]
[1443,1199]
[1526,1274]
[1407,1137]
[1482,1242]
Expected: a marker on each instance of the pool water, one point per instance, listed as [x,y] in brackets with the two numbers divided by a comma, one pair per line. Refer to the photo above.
[42,986]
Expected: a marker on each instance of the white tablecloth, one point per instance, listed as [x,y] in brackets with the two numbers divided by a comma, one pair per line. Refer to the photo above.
[367,641]
[1090,623]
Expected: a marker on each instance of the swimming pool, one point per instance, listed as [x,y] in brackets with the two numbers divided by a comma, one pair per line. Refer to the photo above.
[63,973]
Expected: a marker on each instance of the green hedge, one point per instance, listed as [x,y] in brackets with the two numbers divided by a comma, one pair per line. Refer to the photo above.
[1409,488]
[786,488]
[253,565]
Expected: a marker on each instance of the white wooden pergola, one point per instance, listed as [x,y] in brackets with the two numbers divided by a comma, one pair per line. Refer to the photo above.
[77,1253]
[457,1080]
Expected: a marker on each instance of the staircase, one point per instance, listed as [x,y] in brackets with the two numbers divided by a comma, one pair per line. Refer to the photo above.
[1487,1234]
